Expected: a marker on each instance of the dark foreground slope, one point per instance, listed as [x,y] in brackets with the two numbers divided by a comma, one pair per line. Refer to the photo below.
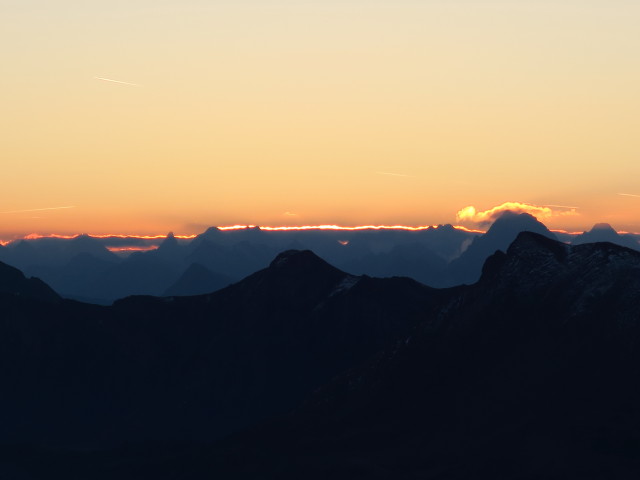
[532,373]
[191,369]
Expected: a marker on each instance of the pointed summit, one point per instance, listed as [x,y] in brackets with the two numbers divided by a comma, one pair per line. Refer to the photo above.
[603,232]
[170,243]
[603,226]
[509,224]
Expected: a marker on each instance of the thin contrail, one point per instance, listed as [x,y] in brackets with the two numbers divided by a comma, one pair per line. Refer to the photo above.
[559,206]
[116,81]
[39,209]
[629,195]
[392,174]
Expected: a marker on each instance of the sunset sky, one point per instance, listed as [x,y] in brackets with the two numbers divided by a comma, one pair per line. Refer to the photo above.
[144,116]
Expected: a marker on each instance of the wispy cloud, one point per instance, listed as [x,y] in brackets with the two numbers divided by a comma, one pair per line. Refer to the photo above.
[116,81]
[629,195]
[471,215]
[560,206]
[290,214]
[40,209]
[392,174]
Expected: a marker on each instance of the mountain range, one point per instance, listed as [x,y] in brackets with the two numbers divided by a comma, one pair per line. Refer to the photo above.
[304,371]
[83,268]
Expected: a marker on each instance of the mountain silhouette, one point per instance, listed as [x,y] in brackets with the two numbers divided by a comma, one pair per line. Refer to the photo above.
[169,247]
[525,374]
[83,268]
[603,232]
[193,368]
[467,268]
[13,282]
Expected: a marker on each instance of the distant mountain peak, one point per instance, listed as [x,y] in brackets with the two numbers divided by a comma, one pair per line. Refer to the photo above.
[603,227]
[603,232]
[301,262]
[298,257]
[519,220]
[502,233]
[170,242]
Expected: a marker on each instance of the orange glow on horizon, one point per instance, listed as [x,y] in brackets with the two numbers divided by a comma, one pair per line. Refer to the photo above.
[132,249]
[37,236]
[337,228]
[343,228]
[566,232]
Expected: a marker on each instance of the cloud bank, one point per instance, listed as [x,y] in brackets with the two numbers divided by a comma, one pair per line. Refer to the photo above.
[471,215]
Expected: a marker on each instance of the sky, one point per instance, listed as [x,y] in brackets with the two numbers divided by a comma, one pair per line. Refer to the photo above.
[145,116]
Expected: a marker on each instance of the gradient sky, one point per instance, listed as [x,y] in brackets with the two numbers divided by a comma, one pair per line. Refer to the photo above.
[307,112]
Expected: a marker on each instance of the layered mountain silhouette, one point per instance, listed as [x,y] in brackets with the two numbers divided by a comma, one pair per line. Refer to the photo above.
[528,373]
[192,368]
[82,268]
[468,267]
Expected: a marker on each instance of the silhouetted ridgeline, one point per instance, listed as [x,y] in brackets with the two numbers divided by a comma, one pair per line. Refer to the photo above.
[190,368]
[532,372]
[83,269]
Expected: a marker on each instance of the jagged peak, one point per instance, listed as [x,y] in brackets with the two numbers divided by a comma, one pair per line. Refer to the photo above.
[528,240]
[447,227]
[169,242]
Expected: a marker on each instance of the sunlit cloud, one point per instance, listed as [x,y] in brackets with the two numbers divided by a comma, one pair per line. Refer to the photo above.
[40,209]
[471,215]
[629,195]
[116,81]
[392,174]
[290,214]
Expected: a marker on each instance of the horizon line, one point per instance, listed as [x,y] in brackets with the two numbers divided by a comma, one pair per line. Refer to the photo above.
[323,227]
[225,228]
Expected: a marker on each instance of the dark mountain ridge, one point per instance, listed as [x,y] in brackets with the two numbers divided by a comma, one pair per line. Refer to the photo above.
[192,368]
[530,373]
[68,264]
[467,268]
[14,282]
